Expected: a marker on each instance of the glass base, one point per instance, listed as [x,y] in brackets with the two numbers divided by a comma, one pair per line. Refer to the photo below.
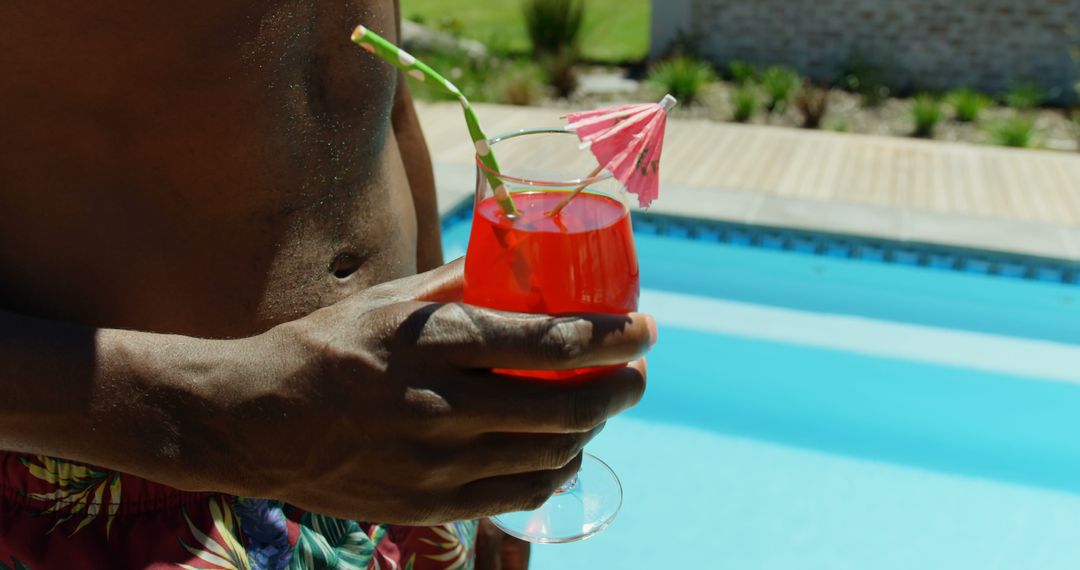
[578,511]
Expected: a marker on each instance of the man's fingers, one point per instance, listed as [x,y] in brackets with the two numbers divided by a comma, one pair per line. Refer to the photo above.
[496,454]
[508,493]
[496,403]
[441,285]
[472,337]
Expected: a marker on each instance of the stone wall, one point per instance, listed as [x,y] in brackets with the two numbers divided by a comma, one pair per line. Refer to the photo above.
[989,45]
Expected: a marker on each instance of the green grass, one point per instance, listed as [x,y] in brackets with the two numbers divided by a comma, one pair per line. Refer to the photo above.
[683,77]
[741,72]
[780,84]
[615,30]
[745,101]
[477,78]
[968,104]
[1017,131]
[1025,96]
[927,112]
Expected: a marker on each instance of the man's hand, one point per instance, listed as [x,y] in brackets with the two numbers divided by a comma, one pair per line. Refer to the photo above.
[384,406]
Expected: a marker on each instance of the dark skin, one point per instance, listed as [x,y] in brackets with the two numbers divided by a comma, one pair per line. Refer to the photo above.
[215,217]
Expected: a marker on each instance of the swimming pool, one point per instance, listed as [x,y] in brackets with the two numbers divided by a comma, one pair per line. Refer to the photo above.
[811,411]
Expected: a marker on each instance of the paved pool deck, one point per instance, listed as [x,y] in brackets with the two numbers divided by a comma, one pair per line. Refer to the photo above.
[985,197]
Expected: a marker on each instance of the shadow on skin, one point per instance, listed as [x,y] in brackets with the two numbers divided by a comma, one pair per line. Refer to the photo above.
[413,328]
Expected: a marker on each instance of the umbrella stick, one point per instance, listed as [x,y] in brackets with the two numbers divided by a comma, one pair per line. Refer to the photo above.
[555,211]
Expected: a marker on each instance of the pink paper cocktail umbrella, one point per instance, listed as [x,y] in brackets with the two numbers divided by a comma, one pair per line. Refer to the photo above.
[627,141]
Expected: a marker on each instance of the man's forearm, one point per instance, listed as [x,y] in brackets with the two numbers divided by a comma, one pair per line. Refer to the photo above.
[119,399]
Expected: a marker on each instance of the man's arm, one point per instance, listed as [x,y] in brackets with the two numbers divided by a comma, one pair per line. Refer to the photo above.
[115,398]
[353,396]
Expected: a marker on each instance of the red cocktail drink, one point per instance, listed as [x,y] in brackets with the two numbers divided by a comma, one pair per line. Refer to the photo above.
[580,260]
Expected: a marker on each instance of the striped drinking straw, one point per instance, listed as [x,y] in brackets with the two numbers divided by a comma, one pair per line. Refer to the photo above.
[404,61]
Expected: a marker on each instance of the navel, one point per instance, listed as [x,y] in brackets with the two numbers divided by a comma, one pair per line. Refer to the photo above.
[344,265]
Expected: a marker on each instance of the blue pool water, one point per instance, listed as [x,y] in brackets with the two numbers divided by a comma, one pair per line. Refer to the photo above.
[809,412]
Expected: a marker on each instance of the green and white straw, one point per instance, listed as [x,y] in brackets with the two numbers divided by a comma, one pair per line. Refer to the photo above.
[406,62]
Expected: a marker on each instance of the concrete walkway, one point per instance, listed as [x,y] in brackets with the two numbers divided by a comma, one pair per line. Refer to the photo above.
[1021,201]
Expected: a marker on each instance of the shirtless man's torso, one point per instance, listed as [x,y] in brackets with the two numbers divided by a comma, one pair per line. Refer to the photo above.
[214,217]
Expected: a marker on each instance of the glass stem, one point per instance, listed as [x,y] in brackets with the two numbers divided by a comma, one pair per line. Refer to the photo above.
[567,486]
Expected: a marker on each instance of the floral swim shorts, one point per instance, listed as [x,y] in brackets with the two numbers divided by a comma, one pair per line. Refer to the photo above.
[56,514]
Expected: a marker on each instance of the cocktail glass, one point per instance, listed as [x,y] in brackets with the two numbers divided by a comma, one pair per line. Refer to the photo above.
[580,260]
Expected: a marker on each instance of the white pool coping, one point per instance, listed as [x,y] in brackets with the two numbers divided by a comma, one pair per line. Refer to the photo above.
[986,352]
